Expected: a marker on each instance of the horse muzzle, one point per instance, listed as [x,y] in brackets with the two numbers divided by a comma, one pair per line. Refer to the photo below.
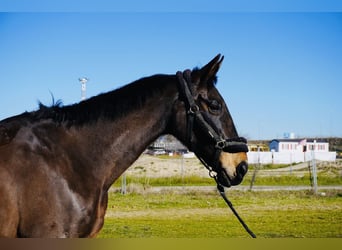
[227,180]
[233,168]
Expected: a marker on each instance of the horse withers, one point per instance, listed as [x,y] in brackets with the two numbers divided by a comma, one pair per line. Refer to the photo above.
[57,163]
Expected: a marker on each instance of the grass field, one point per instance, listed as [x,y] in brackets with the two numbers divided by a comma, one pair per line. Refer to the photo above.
[205,215]
[284,180]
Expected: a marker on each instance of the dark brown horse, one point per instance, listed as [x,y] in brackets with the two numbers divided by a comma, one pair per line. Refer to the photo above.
[57,163]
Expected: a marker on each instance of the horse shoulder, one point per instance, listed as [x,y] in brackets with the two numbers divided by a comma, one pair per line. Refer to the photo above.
[9,213]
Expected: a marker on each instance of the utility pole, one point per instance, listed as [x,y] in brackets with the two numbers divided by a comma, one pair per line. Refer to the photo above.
[257,167]
[83,81]
[314,169]
[123,184]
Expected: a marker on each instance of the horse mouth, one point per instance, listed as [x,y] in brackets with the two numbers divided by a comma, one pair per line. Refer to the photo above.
[226,180]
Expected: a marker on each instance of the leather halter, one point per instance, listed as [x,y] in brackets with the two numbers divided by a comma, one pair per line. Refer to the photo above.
[232,145]
[194,115]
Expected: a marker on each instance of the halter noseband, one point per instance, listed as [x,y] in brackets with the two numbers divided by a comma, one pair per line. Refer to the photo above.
[232,145]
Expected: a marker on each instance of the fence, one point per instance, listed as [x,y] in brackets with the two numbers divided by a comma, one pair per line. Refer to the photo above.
[288,157]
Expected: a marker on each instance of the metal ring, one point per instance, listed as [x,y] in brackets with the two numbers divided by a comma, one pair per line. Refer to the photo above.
[193,109]
[212,174]
[221,144]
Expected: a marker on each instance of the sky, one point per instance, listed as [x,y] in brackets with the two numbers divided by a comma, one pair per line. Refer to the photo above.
[282,70]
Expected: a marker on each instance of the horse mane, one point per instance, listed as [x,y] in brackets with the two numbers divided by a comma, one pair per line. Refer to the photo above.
[110,105]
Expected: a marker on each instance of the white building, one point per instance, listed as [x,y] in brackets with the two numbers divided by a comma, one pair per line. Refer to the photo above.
[299,145]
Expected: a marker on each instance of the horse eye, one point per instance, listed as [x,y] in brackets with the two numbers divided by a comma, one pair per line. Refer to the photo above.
[214,106]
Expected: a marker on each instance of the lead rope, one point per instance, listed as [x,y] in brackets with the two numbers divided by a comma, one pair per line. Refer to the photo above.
[220,188]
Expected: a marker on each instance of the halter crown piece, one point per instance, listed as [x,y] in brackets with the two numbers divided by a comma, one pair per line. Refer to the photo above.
[232,145]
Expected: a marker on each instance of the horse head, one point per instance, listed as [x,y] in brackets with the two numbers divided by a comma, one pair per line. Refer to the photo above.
[203,123]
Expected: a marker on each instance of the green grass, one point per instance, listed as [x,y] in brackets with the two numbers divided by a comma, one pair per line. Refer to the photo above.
[205,215]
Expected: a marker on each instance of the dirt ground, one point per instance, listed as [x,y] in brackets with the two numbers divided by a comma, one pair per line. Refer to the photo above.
[164,166]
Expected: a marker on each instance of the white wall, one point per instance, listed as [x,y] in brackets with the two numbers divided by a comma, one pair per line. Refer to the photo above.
[322,156]
[265,157]
[288,157]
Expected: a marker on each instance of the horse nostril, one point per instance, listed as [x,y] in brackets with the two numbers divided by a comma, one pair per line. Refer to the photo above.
[242,169]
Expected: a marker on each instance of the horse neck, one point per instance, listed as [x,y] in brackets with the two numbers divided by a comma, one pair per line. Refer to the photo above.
[112,145]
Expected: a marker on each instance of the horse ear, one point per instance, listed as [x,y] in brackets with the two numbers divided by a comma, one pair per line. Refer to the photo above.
[207,72]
